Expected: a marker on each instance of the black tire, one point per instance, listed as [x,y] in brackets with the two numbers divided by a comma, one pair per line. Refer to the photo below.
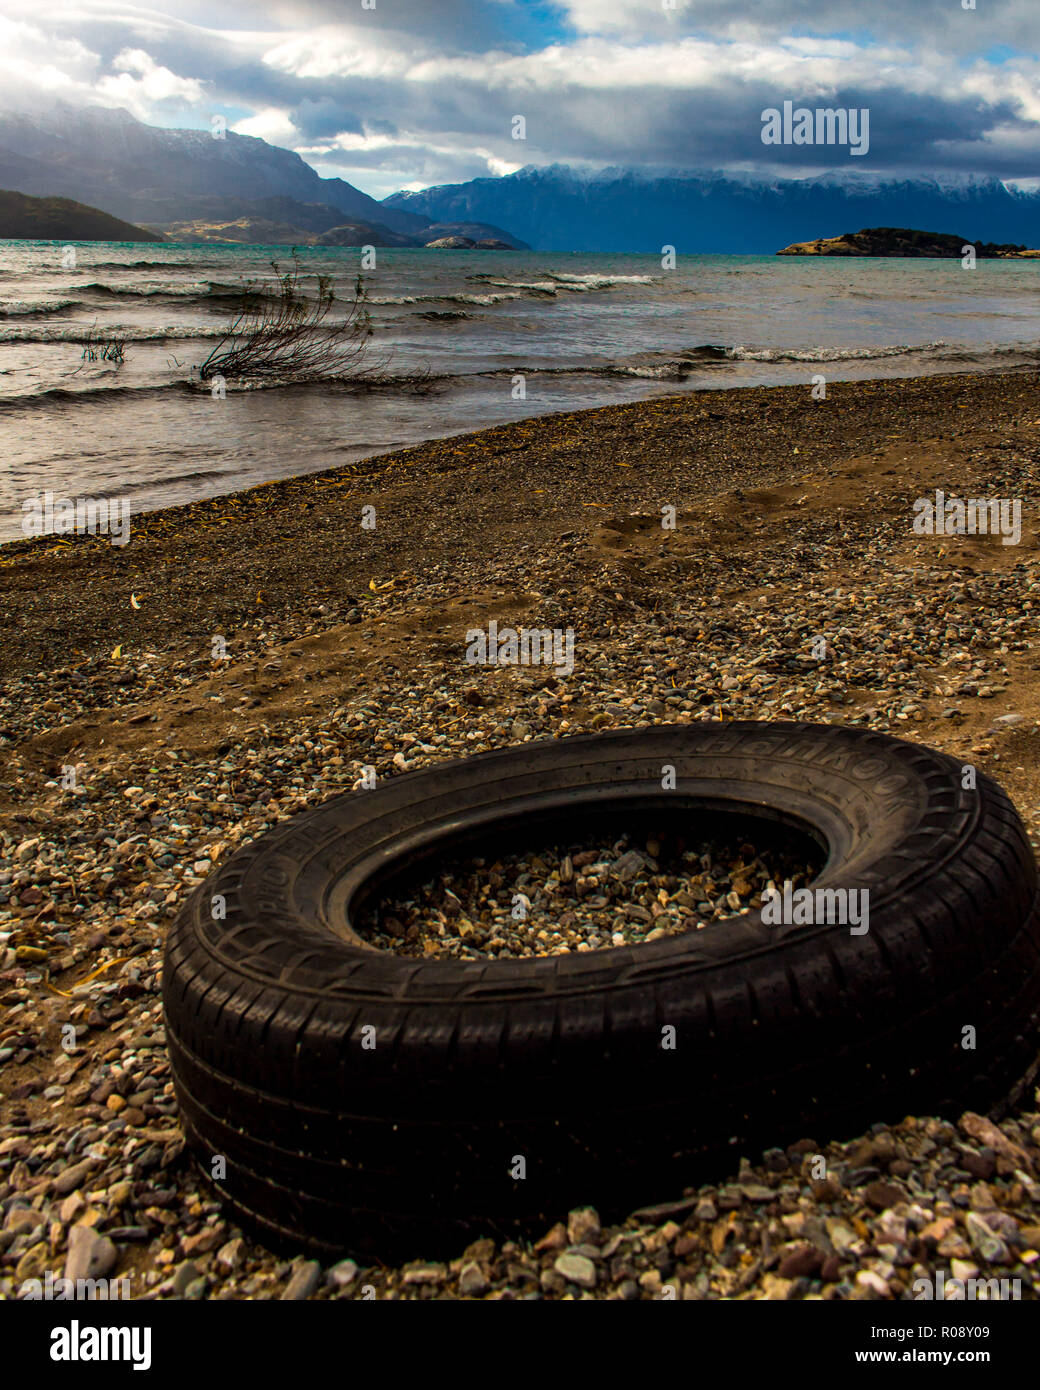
[781,1032]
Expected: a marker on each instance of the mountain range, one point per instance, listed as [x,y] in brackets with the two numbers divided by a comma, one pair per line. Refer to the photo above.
[178,180]
[194,186]
[560,209]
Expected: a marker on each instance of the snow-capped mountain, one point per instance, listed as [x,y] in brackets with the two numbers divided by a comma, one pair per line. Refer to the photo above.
[558,208]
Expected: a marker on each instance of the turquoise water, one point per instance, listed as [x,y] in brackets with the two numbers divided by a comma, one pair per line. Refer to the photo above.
[580,330]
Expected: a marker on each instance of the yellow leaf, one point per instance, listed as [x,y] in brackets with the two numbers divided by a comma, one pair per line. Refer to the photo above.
[118,652]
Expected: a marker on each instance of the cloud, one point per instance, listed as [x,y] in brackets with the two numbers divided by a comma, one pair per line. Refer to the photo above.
[413,93]
[142,85]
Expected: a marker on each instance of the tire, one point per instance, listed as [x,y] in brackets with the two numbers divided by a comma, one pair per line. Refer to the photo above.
[407,1147]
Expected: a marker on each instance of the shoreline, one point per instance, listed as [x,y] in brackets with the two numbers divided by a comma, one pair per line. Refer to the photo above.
[345,649]
[737,436]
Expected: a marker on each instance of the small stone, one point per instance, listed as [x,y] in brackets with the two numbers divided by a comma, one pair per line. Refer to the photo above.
[90,1255]
[980,1165]
[583,1226]
[883,1194]
[841,1235]
[802,1263]
[578,1269]
[302,1282]
[119,1194]
[425,1274]
[23,1219]
[343,1274]
[987,1246]
[472,1280]
[555,1239]
[939,1229]
[776,1289]
[71,1178]
[987,1133]
[33,1263]
[202,1242]
[231,1255]
[872,1283]
[184,1276]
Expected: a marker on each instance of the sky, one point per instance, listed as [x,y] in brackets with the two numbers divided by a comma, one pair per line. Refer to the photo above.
[393,94]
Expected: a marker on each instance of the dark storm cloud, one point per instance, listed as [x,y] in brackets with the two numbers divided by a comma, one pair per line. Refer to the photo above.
[420,91]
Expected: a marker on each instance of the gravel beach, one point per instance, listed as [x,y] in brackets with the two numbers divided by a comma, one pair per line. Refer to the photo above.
[165,702]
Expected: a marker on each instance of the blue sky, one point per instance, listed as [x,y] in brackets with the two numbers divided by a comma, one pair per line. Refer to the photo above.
[418,92]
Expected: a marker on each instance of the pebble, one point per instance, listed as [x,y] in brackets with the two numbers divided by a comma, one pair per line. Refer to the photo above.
[582,896]
[302,1283]
[473,1282]
[94,879]
[90,1255]
[578,1269]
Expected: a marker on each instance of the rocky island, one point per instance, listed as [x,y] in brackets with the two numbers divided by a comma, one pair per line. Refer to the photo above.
[903,241]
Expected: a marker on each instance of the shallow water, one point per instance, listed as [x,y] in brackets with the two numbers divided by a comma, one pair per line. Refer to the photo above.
[582,330]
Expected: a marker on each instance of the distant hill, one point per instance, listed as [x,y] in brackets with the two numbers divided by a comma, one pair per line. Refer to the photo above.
[904,241]
[260,231]
[62,219]
[363,234]
[560,209]
[105,157]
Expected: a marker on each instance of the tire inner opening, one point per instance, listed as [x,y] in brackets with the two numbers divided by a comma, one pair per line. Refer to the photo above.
[586,882]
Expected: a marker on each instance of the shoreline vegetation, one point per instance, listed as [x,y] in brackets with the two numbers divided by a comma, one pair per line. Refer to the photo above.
[343,648]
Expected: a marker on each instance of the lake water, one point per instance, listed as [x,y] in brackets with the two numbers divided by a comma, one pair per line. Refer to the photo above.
[582,330]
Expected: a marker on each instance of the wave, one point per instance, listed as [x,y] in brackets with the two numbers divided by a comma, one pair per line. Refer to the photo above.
[200,291]
[110,388]
[33,308]
[554,282]
[94,390]
[133,265]
[597,282]
[548,288]
[88,333]
[483,299]
[824,354]
[662,367]
[96,287]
